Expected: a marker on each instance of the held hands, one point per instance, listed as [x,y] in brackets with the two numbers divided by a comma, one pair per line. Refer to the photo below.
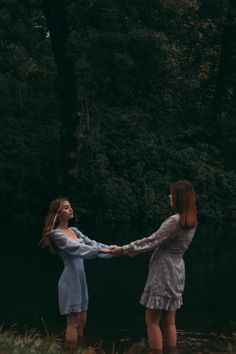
[117,250]
[120,250]
[105,250]
[113,250]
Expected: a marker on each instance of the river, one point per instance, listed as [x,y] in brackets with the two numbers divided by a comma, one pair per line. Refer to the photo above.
[28,297]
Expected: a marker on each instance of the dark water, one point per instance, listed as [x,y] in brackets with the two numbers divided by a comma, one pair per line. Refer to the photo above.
[28,296]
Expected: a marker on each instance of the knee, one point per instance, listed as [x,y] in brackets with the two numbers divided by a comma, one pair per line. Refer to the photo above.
[82,319]
[72,320]
[168,320]
[82,322]
[149,321]
[168,325]
[152,317]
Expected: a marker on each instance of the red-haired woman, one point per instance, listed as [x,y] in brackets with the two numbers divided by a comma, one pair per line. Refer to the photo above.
[162,295]
[73,247]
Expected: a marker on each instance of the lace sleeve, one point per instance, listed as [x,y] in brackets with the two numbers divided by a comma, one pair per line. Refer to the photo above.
[166,231]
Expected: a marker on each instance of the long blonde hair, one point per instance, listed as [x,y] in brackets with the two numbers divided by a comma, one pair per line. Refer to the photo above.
[184,203]
[51,222]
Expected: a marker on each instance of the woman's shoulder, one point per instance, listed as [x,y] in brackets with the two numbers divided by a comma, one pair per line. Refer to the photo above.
[75,229]
[172,218]
[57,229]
[172,222]
[175,217]
[56,232]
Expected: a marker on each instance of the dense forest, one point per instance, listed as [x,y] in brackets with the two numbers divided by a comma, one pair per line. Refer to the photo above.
[109,102]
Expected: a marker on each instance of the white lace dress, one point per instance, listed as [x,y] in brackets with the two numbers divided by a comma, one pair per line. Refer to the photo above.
[166,277]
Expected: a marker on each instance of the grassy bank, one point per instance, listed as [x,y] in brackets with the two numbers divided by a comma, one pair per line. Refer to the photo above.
[189,343]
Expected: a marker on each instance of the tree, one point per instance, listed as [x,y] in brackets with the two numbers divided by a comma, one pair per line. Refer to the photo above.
[73,117]
[225,88]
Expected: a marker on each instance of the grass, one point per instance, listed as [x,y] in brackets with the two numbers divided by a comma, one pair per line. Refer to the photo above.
[34,343]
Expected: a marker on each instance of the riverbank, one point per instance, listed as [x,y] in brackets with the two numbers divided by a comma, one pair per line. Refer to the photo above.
[188,343]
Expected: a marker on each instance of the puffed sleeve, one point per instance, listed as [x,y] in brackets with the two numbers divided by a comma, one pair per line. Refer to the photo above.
[74,248]
[166,231]
[88,241]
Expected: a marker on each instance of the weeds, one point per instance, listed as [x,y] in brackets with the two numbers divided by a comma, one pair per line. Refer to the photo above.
[34,343]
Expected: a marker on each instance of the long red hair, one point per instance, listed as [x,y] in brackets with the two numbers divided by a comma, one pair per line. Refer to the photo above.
[51,221]
[184,203]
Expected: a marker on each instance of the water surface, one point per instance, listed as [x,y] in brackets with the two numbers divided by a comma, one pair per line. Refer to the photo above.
[28,297]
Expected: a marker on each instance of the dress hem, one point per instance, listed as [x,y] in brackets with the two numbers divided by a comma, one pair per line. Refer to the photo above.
[72,309]
[161,302]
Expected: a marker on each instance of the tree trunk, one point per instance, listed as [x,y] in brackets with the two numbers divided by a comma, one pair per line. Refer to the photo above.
[72,125]
[226,68]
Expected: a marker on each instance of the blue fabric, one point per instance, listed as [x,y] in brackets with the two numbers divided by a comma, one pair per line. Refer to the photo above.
[72,285]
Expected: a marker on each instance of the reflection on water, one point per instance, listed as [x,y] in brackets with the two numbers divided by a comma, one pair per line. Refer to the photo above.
[188,343]
[29,287]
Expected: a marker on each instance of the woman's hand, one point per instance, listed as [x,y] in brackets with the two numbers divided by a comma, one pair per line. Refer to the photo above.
[117,250]
[105,250]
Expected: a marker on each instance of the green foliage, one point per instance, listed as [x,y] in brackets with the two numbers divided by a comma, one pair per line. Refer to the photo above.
[147,74]
[31,344]
[29,116]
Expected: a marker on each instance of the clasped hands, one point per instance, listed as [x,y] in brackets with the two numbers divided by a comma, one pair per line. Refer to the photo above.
[112,249]
[117,250]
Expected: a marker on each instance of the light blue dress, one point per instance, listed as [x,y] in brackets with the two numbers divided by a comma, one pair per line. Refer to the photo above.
[166,276]
[72,285]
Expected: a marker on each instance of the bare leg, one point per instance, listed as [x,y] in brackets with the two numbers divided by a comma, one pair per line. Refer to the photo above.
[152,318]
[82,317]
[71,330]
[169,331]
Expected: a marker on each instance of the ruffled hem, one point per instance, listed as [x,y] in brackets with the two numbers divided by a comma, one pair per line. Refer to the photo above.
[161,302]
[66,310]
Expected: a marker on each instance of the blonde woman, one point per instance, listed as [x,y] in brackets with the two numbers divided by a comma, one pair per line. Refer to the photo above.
[162,295]
[73,247]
